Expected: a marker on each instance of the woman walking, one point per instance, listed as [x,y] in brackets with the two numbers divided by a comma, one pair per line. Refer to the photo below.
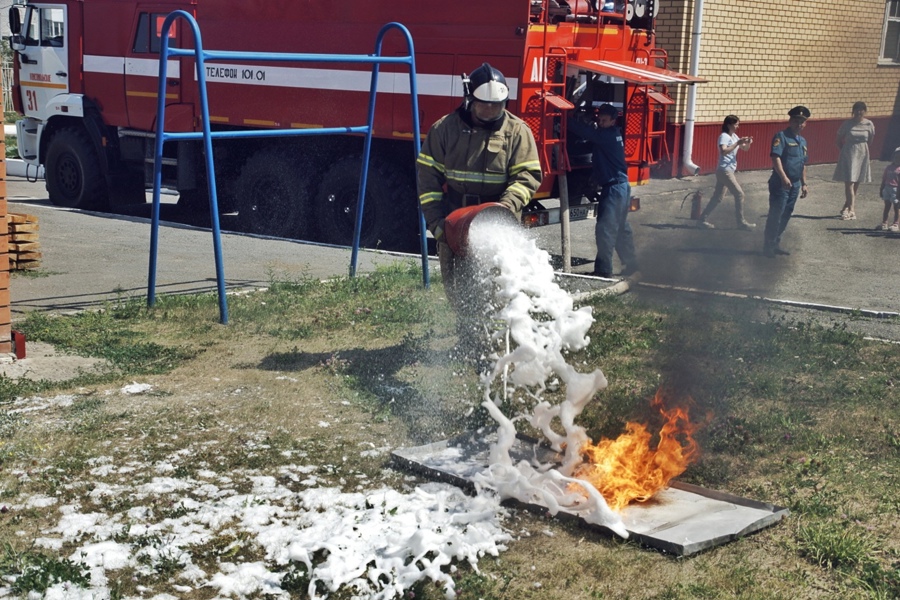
[853,168]
[729,143]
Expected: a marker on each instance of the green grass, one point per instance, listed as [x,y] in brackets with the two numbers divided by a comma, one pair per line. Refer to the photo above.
[12,146]
[35,572]
[792,413]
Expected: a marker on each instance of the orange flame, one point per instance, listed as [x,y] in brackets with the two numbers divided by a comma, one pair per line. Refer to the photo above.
[627,469]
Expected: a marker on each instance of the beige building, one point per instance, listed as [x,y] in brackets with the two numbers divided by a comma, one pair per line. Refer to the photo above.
[762,57]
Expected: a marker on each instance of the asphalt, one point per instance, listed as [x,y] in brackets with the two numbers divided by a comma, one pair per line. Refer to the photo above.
[91,258]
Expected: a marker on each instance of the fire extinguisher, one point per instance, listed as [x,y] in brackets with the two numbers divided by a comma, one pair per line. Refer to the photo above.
[696,204]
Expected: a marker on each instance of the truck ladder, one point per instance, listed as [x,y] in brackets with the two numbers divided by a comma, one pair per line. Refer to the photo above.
[652,102]
[554,110]
[553,103]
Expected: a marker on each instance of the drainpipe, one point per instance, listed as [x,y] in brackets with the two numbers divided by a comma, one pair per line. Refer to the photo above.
[688,148]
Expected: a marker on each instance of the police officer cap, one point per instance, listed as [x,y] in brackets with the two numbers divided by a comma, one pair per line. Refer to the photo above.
[609,110]
[799,111]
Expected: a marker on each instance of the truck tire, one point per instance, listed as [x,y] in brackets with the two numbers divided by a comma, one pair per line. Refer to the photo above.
[389,219]
[73,173]
[271,196]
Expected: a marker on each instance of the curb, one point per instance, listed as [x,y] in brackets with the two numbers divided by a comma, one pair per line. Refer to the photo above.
[848,310]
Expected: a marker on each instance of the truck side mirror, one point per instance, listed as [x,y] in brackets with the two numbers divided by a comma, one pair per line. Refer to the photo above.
[17,43]
[15,21]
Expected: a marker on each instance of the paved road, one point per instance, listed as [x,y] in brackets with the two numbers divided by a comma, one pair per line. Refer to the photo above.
[90,256]
[845,263]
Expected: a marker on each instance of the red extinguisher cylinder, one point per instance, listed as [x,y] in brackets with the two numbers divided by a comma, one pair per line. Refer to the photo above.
[697,205]
[457,223]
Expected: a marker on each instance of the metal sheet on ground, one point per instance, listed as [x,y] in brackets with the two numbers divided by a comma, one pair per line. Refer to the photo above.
[682,519]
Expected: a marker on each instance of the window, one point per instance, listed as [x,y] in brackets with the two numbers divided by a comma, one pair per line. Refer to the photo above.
[45,27]
[53,27]
[147,38]
[890,44]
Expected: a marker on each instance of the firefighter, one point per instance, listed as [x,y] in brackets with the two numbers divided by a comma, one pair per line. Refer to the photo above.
[478,153]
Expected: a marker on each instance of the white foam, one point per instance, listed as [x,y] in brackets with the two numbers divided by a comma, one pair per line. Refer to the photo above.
[541,324]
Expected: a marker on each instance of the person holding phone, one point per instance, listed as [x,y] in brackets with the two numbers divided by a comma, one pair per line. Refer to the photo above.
[729,143]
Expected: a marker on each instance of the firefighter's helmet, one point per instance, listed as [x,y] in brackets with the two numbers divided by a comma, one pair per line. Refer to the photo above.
[486,84]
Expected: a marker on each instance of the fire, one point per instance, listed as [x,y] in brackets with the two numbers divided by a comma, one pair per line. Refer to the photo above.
[627,469]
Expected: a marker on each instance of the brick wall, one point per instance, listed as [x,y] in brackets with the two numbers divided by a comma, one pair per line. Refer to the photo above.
[762,57]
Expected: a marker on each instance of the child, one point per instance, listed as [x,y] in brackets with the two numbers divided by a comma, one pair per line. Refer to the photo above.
[889,181]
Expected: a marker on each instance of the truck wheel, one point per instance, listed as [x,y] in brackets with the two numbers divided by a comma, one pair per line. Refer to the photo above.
[389,219]
[271,196]
[73,174]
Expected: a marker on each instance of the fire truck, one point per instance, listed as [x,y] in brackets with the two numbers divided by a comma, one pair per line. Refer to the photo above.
[87,81]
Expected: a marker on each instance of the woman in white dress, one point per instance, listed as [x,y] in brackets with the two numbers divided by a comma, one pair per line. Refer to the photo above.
[853,168]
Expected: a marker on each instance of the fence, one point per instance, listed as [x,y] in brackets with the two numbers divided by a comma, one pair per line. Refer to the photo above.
[7,72]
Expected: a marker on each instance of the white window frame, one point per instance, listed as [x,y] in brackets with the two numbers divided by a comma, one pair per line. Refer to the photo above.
[888,18]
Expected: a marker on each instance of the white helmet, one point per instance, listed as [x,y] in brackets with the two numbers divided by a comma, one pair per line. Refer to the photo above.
[486,84]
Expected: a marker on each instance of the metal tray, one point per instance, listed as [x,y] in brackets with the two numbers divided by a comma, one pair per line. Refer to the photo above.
[682,519]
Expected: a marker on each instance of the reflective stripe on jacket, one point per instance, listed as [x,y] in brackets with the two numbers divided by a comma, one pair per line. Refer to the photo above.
[497,164]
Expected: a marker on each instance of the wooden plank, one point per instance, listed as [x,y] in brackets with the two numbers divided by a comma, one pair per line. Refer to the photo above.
[26,256]
[16,246]
[4,299]
[15,228]
[24,265]
[21,218]
[26,237]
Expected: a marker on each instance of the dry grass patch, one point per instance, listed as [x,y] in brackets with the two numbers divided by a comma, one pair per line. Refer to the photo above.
[312,385]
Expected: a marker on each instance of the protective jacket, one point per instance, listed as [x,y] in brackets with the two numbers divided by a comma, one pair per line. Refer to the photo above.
[493,163]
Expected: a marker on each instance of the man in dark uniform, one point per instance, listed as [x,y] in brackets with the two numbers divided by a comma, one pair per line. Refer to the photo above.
[610,177]
[788,180]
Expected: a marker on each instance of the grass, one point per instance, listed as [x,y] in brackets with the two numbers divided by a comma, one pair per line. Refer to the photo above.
[12,146]
[36,572]
[793,414]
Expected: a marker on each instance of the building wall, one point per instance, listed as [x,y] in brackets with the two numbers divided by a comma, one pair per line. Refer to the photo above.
[762,57]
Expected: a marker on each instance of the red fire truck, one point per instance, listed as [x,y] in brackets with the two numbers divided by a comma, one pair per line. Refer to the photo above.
[86,81]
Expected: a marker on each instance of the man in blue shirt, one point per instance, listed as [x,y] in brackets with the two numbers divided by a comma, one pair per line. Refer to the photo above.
[610,177]
[788,180]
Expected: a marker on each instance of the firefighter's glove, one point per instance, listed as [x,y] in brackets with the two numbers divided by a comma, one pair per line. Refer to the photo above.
[508,204]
